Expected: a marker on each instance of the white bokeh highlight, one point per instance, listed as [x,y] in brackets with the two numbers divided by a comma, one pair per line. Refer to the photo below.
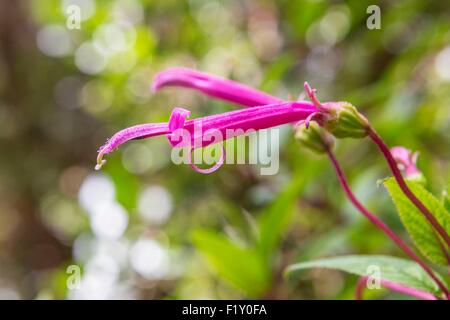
[114,37]
[128,10]
[155,204]
[442,64]
[149,259]
[109,221]
[54,41]
[95,191]
[89,59]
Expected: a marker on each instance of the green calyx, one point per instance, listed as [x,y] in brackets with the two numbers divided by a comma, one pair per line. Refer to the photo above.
[345,121]
[314,137]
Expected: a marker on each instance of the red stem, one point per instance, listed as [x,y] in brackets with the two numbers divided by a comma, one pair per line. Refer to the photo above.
[360,285]
[362,282]
[381,225]
[401,182]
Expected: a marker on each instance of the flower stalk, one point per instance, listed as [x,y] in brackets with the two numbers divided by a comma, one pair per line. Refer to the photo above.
[362,283]
[319,140]
[343,120]
[404,187]
[381,225]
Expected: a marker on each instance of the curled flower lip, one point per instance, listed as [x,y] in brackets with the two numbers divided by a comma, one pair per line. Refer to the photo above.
[136,132]
[214,128]
[213,86]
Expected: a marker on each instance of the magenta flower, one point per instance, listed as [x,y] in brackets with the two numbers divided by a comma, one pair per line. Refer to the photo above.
[213,129]
[340,118]
[267,111]
[406,161]
[213,86]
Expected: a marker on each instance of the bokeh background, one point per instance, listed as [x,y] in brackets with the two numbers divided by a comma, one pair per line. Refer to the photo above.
[144,228]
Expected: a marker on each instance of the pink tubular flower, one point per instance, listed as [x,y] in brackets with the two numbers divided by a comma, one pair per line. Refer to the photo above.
[216,128]
[213,86]
[208,130]
[406,161]
[266,111]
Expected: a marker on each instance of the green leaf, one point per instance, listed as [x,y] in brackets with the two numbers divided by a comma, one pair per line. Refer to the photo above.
[446,201]
[274,220]
[241,267]
[275,71]
[424,236]
[397,270]
[126,184]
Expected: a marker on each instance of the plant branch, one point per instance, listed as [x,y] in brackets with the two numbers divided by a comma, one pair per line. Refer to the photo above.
[401,182]
[362,283]
[381,225]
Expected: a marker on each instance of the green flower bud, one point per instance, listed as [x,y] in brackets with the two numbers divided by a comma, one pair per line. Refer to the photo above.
[345,121]
[314,137]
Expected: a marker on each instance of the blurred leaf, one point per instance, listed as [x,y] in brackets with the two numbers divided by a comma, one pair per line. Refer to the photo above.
[275,71]
[446,201]
[424,236]
[126,184]
[334,241]
[393,269]
[301,14]
[241,267]
[275,219]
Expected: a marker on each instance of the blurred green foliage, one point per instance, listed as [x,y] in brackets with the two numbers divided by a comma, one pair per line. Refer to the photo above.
[185,235]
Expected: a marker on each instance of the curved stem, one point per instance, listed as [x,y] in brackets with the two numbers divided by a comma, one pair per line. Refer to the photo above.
[401,182]
[381,225]
[362,282]
[360,286]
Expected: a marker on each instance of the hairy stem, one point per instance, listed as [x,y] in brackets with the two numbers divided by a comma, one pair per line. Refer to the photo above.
[362,283]
[381,225]
[401,182]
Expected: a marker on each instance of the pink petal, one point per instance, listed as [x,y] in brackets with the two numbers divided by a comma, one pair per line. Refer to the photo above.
[135,132]
[216,128]
[406,160]
[213,86]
